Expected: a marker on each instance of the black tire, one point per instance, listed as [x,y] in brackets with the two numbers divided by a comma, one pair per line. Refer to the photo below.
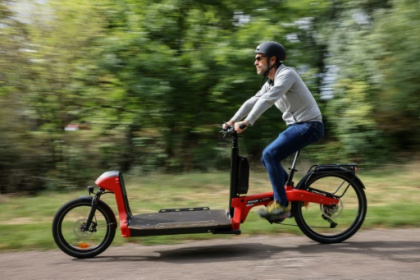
[332,224]
[72,240]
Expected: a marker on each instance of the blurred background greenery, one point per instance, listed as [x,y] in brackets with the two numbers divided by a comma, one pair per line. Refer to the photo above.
[141,85]
[25,221]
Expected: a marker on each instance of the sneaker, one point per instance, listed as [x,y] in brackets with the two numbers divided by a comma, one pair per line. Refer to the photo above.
[275,212]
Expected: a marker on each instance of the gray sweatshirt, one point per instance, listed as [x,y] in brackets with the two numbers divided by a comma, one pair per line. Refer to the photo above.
[290,95]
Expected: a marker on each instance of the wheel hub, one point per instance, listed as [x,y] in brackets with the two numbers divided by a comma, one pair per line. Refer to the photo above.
[79,229]
[332,211]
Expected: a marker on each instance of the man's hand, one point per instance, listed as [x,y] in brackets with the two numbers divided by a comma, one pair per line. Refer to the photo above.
[228,124]
[241,126]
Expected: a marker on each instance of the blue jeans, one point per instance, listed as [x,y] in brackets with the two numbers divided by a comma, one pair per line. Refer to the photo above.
[294,138]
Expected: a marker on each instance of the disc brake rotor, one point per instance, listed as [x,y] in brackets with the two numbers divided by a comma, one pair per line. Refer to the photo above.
[78,229]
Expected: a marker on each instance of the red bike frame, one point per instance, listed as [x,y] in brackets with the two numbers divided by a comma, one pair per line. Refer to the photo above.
[110,181]
[240,205]
[74,238]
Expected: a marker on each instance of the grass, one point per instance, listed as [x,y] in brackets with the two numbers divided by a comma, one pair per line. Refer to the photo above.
[25,222]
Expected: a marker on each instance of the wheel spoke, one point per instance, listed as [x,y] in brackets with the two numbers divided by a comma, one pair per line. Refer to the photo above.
[332,223]
[71,235]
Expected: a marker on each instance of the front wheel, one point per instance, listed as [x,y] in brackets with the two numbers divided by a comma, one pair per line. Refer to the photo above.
[69,230]
[336,223]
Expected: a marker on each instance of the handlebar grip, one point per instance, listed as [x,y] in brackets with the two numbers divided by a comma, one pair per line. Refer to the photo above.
[242,126]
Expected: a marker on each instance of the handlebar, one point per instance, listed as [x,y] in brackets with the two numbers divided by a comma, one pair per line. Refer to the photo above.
[230,130]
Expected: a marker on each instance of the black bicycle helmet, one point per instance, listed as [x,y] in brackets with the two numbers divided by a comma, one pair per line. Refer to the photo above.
[270,49]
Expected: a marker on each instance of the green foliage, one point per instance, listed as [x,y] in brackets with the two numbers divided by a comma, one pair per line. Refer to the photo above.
[396,38]
[375,107]
[148,87]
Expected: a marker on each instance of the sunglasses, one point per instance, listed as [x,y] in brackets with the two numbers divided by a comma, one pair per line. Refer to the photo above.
[258,58]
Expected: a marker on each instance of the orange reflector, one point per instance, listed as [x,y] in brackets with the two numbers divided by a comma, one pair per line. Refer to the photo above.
[83,245]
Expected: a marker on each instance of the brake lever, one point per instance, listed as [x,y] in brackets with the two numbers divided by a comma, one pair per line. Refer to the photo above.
[227,130]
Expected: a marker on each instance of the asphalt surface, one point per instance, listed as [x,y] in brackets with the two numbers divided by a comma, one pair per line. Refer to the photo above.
[372,254]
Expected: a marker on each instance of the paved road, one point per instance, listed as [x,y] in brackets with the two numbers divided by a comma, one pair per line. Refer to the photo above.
[373,254]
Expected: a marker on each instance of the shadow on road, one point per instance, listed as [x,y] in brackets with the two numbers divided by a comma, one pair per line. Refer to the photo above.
[404,251]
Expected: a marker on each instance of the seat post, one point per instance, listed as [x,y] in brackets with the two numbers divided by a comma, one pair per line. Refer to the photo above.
[293,169]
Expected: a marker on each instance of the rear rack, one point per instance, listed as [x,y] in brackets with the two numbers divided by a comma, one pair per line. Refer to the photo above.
[346,167]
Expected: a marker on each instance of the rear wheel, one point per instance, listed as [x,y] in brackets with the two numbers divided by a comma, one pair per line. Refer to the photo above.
[336,223]
[69,228]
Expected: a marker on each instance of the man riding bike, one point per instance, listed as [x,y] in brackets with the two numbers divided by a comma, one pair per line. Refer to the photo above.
[286,90]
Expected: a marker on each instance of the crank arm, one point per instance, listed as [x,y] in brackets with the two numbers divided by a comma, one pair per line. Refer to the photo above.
[332,223]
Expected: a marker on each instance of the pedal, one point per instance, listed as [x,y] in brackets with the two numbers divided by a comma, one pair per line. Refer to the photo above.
[274,219]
